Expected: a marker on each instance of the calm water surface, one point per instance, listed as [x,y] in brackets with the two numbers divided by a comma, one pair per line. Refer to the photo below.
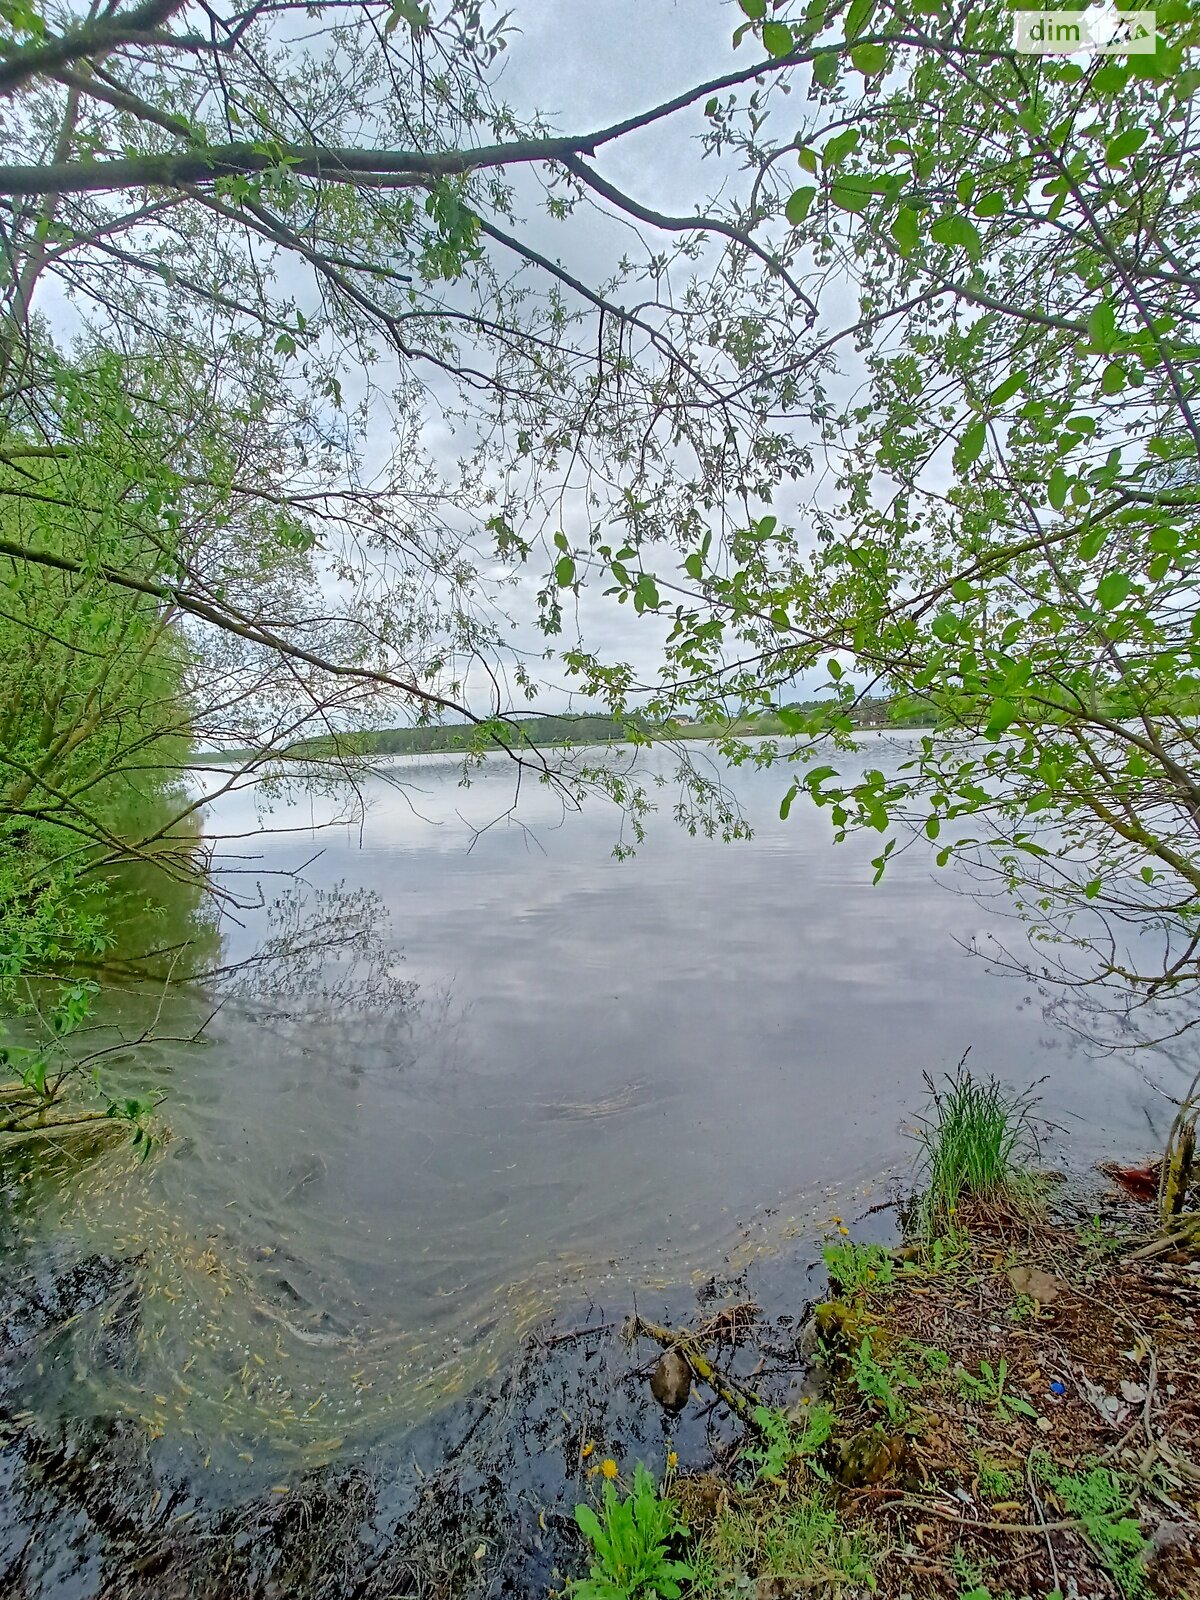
[604,1072]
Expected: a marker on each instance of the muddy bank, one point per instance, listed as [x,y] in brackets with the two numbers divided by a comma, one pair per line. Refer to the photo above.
[1007,1408]
[480,1498]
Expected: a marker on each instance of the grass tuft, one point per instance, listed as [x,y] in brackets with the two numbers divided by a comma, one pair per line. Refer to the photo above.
[786,1546]
[977,1140]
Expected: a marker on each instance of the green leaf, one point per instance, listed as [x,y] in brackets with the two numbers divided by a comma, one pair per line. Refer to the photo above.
[825,69]
[991,205]
[945,627]
[840,146]
[777,39]
[1124,145]
[694,565]
[958,231]
[1114,379]
[858,17]
[1011,386]
[645,595]
[799,205]
[1102,327]
[756,10]
[1111,78]
[906,230]
[589,1524]
[869,59]
[785,805]
[1003,715]
[854,192]
[564,572]
[1057,488]
[1112,589]
[970,446]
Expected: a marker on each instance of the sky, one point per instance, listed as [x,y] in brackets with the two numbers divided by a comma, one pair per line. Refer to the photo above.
[585,66]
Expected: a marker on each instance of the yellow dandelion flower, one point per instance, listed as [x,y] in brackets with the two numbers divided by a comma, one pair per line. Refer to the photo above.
[672,1458]
[587,1449]
[609,1468]
[843,1229]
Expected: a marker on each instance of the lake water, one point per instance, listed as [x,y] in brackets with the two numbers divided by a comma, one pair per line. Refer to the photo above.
[594,1072]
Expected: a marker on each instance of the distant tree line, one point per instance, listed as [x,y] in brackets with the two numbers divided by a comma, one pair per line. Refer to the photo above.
[587,728]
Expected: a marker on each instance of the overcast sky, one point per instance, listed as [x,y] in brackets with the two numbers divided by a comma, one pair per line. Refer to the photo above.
[585,66]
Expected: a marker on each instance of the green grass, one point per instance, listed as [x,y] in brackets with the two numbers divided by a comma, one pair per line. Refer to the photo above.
[996,1482]
[989,1389]
[800,1540]
[977,1141]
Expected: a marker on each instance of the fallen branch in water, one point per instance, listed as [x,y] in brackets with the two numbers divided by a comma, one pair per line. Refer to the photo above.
[76,1122]
[547,1341]
[743,1402]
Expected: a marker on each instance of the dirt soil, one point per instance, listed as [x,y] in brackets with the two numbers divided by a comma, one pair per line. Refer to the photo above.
[1046,1431]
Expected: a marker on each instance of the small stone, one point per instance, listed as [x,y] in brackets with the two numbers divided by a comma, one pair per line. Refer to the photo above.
[815,1385]
[671,1381]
